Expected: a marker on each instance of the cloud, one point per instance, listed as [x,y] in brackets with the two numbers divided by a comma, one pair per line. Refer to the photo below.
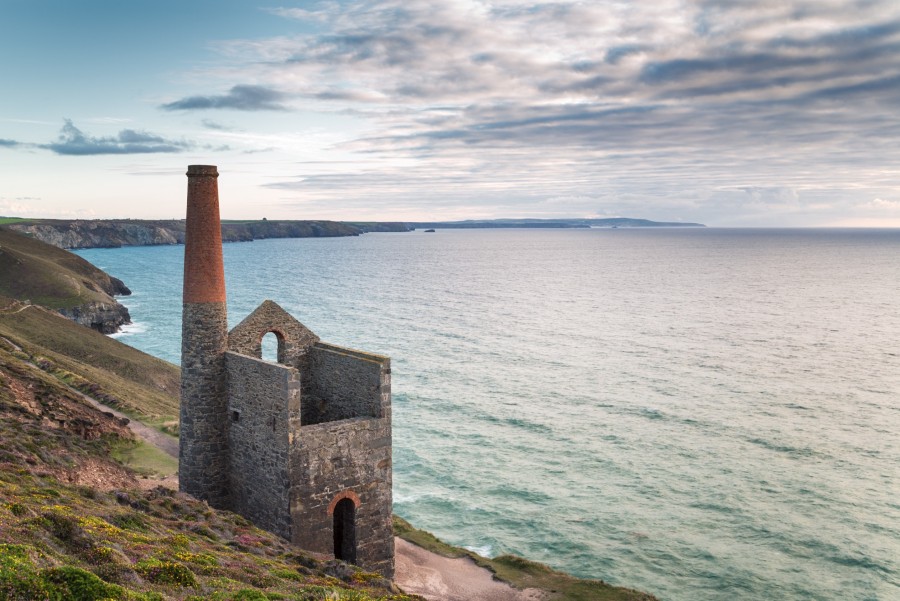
[883,204]
[31,206]
[72,141]
[240,98]
[666,104]
[770,196]
[215,125]
[8,143]
[299,14]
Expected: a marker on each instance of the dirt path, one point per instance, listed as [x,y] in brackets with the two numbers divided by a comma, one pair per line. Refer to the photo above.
[13,346]
[164,442]
[7,308]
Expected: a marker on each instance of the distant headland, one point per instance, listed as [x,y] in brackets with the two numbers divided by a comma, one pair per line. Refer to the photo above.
[114,233]
[607,222]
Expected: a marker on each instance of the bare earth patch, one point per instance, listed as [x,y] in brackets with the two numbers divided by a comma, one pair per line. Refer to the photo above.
[439,578]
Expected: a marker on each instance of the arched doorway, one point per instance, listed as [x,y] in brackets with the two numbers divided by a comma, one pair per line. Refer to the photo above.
[345,530]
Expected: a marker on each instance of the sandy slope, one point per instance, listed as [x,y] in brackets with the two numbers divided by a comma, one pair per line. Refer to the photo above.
[439,578]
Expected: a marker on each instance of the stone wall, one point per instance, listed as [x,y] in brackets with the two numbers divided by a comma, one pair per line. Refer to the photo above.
[346,383]
[203,448]
[264,422]
[293,337]
[349,458]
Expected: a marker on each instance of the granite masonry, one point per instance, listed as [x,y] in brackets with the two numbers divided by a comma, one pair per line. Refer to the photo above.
[301,447]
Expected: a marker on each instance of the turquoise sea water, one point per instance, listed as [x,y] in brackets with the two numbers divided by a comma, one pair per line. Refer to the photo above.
[702,414]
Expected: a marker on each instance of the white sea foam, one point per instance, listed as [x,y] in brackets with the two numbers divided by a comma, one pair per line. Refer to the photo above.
[135,327]
[484,550]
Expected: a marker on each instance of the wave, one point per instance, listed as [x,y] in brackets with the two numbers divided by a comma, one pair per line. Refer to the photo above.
[136,327]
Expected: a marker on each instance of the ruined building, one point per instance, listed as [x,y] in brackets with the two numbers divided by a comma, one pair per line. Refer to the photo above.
[301,447]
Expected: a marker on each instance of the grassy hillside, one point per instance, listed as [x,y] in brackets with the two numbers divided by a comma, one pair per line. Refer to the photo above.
[49,276]
[137,384]
[74,526]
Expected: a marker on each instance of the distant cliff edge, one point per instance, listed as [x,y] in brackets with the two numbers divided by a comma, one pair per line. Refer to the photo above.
[113,233]
[606,222]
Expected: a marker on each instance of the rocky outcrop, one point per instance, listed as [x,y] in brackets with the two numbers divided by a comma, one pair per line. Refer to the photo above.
[101,234]
[42,274]
[106,318]
[260,230]
[117,287]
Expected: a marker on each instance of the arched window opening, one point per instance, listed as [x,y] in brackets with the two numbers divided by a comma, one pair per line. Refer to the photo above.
[272,345]
[345,531]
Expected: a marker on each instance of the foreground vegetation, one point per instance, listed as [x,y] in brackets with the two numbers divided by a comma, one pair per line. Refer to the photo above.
[75,525]
[118,375]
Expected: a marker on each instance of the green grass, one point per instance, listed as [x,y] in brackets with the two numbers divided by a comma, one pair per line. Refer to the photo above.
[523,573]
[116,374]
[46,275]
[5,220]
[145,459]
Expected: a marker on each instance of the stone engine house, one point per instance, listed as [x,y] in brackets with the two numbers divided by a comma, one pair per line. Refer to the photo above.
[301,447]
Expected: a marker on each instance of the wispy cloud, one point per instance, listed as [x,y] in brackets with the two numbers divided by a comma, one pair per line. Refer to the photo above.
[704,107]
[240,98]
[215,125]
[30,206]
[72,141]
[8,143]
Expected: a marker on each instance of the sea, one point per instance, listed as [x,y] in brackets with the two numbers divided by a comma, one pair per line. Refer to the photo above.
[700,413]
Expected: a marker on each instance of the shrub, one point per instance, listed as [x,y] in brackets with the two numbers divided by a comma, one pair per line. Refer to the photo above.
[166,572]
[248,594]
[200,559]
[18,577]
[17,509]
[62,524]
[117,573]
[288,575]
[129,521]
[80,585]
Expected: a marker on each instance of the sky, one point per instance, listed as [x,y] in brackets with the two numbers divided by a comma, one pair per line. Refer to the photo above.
[729,113]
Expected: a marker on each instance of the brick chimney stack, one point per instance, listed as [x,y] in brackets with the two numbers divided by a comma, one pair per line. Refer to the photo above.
[203,448]
[204,273]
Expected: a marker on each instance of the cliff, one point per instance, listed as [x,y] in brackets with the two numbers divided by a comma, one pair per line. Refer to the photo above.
[113,233]
[40,273]
[83,233]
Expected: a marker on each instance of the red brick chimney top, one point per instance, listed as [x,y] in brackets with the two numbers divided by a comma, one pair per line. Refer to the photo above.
[204,272]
